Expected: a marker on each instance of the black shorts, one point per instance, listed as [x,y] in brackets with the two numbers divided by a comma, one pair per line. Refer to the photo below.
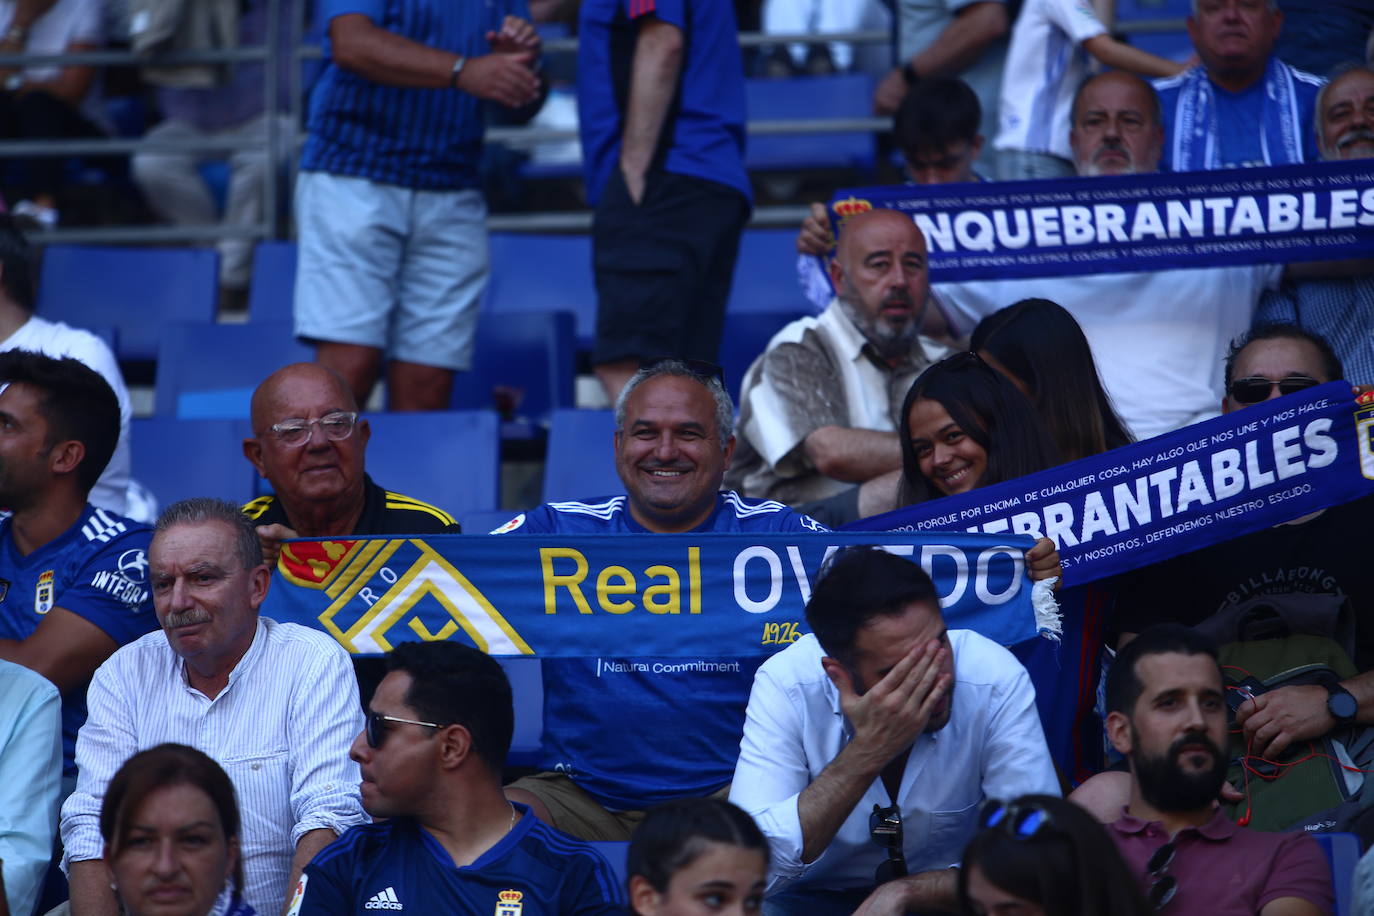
[664,267]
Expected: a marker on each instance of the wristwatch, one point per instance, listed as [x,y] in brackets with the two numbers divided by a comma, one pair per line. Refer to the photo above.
[457,69]
[1341,704]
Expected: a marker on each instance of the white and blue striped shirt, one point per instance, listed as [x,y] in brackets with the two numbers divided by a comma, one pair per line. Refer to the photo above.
[281,728]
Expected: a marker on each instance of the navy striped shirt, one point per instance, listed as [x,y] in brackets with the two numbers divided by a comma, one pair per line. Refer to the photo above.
[426,139]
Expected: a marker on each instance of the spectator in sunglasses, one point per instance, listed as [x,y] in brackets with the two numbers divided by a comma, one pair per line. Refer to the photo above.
[446,840]
[1167,714]
[1042,856]
[695,856]
[274,704]
[1317,555]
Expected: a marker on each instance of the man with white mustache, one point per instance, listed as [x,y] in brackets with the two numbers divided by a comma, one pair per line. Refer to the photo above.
[1340,309]
[275,704]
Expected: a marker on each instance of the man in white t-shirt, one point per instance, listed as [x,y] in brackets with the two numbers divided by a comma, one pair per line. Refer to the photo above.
[1158,337]
[21,329]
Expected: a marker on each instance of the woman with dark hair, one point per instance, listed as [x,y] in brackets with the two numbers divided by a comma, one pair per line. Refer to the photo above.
[1043,856]
[696,856]
[171,829]
[1039,346]
[963,426]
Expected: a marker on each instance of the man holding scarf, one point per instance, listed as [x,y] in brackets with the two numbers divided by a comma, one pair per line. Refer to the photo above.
[1241,106]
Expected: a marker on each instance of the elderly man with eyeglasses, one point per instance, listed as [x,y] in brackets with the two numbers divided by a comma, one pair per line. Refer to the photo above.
[273,703]
[1167,713]
[310,445]
[870,743]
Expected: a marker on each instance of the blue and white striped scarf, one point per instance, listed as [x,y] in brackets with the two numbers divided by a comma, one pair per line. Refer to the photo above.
[1195,139]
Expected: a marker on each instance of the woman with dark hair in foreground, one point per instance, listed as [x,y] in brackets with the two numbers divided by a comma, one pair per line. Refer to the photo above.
[696,856]
[171,828]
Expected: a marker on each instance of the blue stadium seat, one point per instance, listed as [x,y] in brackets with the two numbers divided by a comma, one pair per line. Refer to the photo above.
[178,459]
[746,336]
[522,366]
[207,371]
[485,521]
[766,274]
[614,852]
[540,273]
[1173,44]
[1343,852]
[527,690]
[848,95]
[138,290]
[580,462]
[272,289]
[448,458]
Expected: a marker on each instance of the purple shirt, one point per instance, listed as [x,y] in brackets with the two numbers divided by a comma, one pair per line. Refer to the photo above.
[1223,869]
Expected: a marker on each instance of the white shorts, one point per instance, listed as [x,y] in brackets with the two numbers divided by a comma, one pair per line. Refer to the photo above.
[390,267]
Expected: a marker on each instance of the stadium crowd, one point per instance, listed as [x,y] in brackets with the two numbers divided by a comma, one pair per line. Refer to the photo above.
[168,747]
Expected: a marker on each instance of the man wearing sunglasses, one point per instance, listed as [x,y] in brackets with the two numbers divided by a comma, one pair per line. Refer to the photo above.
[1167,714]
[1321,558]
[673,442]
[274,704]
[870,743]
[446,840]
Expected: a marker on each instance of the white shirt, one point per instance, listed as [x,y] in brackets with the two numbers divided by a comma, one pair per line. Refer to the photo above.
[1045,66]
[55,339]
[67,23]
[1159,338]
[993,747]
[281,728]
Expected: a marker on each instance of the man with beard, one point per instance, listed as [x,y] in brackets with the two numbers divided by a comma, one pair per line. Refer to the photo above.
[870,742]
[1167,715]
[73,577]
[1340,309]
[818,410]
[274,704]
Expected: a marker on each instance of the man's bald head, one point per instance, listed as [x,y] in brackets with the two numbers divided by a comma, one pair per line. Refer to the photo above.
[277,390]
[880,279]
[320,479]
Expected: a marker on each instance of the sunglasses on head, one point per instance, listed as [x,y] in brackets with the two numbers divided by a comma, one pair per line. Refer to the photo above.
[375,727]
[1255,388]
[1020,820]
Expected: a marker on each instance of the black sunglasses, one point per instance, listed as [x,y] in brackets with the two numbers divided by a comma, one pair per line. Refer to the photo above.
[374,726]
[1163,885]
[1255,388]
[885,829]
[699,367]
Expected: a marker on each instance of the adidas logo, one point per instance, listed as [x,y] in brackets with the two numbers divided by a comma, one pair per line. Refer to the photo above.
[384,900]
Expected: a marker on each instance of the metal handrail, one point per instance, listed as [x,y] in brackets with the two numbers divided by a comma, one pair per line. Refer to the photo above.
[291,139]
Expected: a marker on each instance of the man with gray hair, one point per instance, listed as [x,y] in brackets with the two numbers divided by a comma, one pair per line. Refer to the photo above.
[275,705]
[673,442]
[1241,106]
[818,410]
[1339,308]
